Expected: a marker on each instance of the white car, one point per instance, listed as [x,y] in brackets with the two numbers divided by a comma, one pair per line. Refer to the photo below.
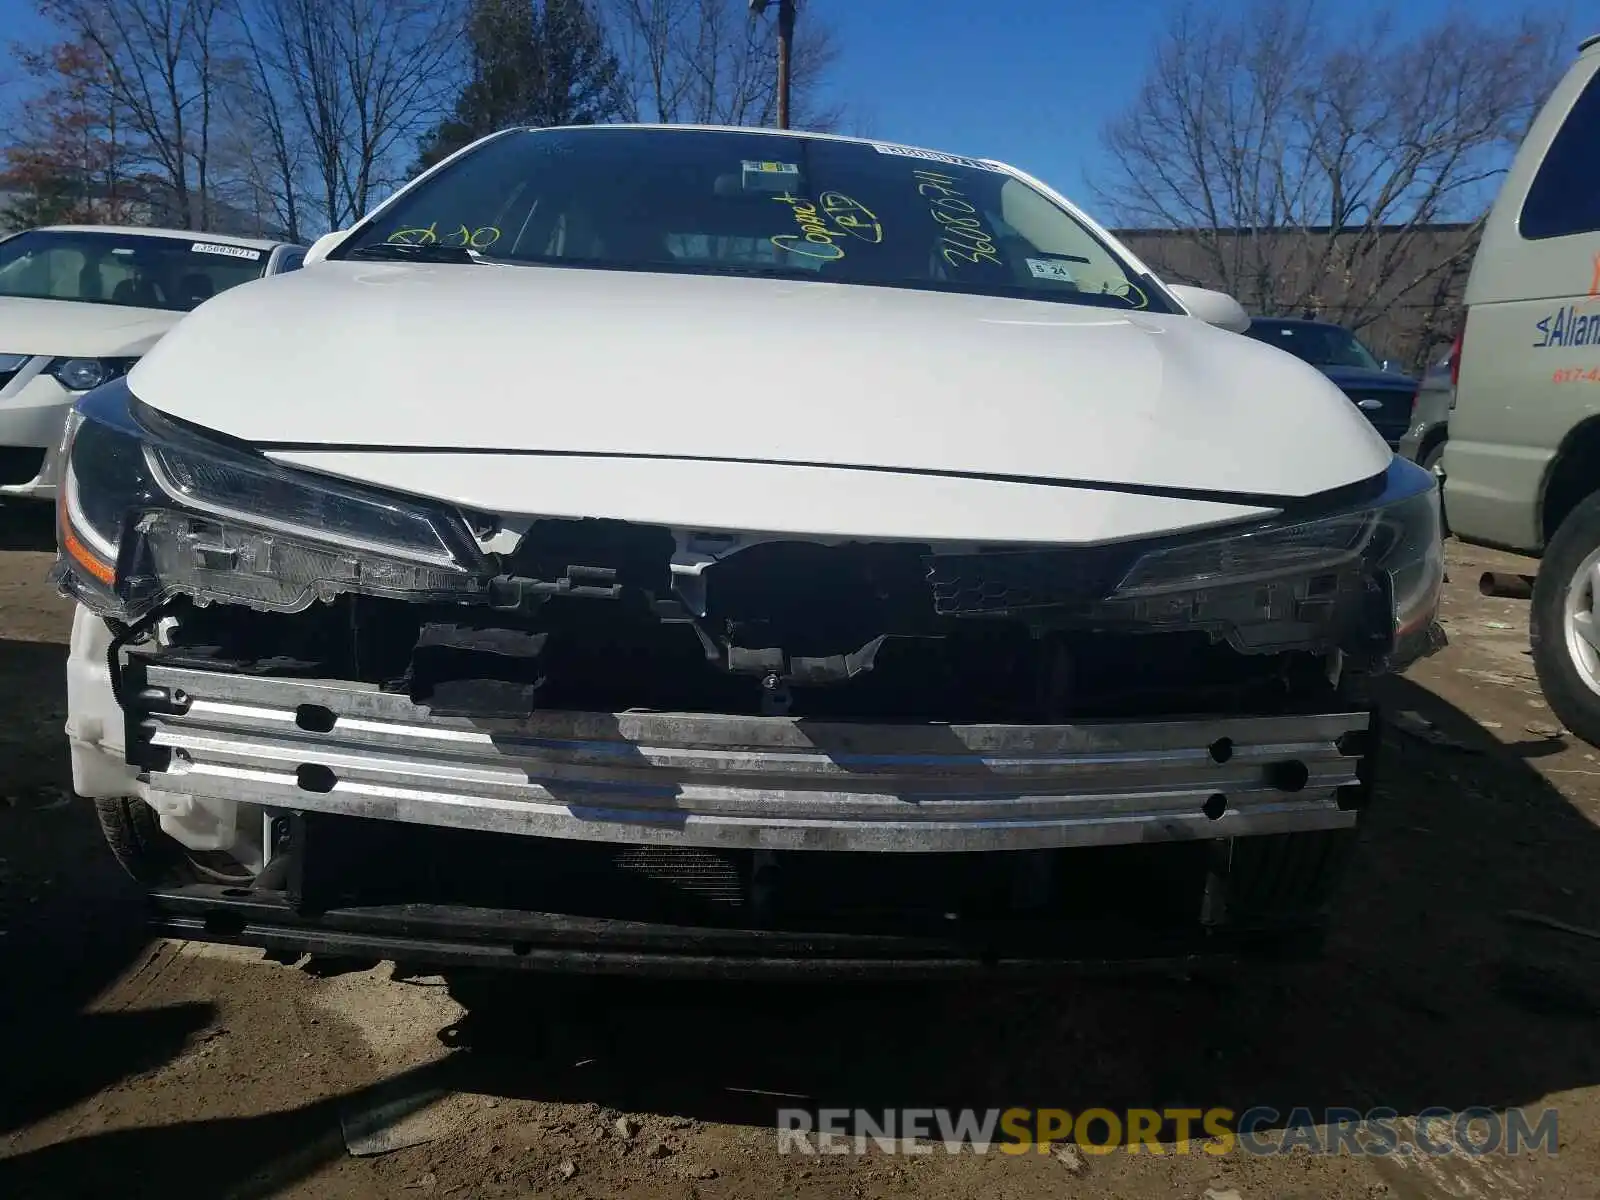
[80,304]
[724,550]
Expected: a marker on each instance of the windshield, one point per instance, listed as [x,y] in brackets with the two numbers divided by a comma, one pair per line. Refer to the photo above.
[1319,345]
[138,271]
[708,202]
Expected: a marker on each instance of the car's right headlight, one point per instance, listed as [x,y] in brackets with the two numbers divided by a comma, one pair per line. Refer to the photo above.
[149,508]
[1395,540]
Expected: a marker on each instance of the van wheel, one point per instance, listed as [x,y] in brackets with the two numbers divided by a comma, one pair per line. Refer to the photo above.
[1564,624]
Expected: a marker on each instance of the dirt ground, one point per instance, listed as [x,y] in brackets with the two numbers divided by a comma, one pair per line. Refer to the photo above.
[134,1068]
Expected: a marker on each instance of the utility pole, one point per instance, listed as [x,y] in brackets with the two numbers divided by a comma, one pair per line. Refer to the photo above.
[785,39]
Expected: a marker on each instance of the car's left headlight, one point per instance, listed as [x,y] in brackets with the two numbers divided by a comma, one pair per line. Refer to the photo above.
[149,508]
[1396,540]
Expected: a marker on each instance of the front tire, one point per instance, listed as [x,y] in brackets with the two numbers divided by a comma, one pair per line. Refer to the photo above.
[151,857]
[1564,623]
[134,834]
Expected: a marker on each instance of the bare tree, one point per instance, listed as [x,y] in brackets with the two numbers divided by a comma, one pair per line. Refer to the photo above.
[709,62]
[266,138]
[65,160]
[163,77]
[1312,165]
[349,85]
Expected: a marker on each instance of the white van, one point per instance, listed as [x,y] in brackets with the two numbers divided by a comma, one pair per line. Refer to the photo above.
[1522,466]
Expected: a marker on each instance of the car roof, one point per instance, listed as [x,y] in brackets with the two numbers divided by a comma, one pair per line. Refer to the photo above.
[764,131]
[188,235]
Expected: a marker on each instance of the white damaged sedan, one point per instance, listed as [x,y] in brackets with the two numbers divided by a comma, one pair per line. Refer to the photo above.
[720,550]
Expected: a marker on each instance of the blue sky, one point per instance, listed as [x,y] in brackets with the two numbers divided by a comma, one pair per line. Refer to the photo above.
[1029,81]
[1033,81]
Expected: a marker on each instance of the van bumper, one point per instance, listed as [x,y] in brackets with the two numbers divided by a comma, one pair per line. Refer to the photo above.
[1492,493]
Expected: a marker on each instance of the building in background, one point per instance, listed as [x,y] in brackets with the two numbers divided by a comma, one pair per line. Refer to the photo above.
[1400,289]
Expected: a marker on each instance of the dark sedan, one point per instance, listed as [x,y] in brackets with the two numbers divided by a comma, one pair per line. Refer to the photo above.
[1382,394]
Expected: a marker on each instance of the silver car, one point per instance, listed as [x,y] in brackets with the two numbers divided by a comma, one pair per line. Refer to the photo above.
[1424,441]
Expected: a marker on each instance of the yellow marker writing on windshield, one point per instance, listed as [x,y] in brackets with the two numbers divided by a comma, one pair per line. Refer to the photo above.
[474,239]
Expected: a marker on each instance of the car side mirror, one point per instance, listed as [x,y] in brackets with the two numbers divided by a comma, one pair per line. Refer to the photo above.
[1214,308]
[320,248]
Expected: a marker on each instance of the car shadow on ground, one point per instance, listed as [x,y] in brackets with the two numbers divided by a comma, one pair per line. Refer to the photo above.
[72,922]
[1430,995]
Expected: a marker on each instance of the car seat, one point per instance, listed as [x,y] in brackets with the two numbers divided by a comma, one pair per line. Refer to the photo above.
[135,293]
[195,289]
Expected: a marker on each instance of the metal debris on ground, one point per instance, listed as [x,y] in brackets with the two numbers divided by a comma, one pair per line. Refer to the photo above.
[1533,918]
[1414,724]
[1070,1157]
[409,1120]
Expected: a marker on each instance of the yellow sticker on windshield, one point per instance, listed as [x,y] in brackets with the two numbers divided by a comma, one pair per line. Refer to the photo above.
[764,176]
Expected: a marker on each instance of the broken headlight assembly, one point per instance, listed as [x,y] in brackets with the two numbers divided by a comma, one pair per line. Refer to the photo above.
[149,509]
[1397,539]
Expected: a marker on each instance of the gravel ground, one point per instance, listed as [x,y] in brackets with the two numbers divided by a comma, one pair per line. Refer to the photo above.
[173,1069]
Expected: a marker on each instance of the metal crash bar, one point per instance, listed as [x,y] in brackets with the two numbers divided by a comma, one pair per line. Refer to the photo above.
[709,780]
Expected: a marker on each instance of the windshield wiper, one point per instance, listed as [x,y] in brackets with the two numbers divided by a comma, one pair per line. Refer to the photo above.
[403,252]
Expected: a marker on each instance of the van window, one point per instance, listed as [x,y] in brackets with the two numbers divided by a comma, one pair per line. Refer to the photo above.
[1565,196]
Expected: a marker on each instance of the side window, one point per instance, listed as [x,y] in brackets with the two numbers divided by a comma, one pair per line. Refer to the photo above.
[292,260]
[1082,262]
[1565,196]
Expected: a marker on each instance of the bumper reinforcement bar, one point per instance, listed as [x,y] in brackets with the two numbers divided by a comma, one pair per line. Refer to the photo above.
[719,781]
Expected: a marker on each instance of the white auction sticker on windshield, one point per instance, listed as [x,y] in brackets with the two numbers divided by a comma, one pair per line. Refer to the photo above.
[952,160]
[1050,268]
[230,251]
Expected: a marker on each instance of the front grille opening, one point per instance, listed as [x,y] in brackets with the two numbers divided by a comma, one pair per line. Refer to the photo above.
[600,656]
[356,861]
[19,464]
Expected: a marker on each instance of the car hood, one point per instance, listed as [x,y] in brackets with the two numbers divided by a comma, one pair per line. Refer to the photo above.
[644,366]
[1365,377]
[74,328]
